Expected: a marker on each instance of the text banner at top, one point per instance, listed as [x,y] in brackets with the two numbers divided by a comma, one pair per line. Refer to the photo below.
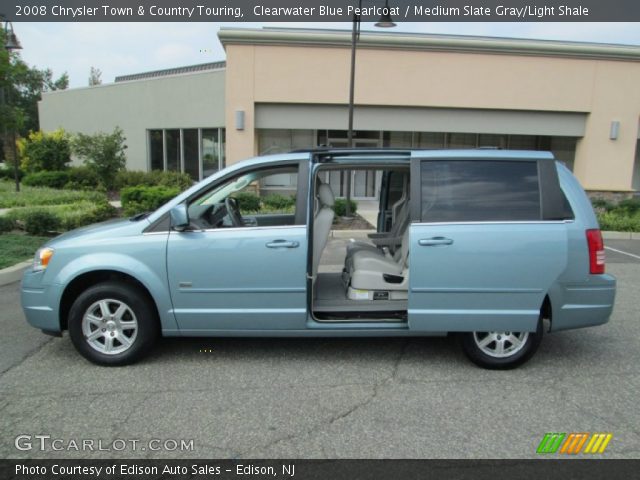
[320,11]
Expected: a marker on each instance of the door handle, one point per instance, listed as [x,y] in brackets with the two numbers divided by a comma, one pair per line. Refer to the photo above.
[282,244]
[434,241]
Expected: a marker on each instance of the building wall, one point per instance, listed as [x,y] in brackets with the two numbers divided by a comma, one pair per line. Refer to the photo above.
[180,101]
[597,90]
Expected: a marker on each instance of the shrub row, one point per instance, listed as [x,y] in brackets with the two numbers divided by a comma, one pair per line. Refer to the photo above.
[74,178]
[133,178]
[6,224]
[621,217]
[43,220]
[9,174]
[250,202]
[145,199]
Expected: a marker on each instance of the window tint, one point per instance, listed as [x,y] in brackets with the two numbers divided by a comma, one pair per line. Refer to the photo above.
[462,190]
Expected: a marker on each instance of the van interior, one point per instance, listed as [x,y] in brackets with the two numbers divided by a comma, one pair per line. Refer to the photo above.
[364,278]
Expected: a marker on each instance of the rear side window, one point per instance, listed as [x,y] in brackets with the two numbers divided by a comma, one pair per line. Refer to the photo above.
[478,190]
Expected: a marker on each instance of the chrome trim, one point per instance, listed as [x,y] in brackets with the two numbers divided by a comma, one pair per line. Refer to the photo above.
[185,289]
[240,229]
[495,222]
[476,290]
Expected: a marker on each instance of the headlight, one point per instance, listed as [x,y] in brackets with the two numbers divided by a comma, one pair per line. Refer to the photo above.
[41,260]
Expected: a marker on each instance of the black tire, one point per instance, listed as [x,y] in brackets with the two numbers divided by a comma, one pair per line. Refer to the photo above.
[141,310]
[484,360]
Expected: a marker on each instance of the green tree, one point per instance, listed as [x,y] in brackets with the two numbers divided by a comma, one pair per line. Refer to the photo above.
[22,87]
[45,151]
[103,153]
[95,77]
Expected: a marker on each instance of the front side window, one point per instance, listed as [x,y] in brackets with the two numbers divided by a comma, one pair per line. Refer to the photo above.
[478,190]
[247,201]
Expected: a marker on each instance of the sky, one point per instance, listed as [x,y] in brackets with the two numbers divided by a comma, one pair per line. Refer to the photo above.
[125,48]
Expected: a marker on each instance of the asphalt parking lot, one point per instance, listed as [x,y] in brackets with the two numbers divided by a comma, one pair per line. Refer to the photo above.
[327,398]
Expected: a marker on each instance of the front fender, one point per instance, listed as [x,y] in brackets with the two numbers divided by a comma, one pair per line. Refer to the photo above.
[151,275]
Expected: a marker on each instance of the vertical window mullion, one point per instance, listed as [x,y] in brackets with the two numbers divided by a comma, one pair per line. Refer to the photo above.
[164,149]
[200,166]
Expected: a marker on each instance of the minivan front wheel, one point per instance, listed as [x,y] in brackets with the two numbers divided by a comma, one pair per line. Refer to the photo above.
[112,324]
[501,350]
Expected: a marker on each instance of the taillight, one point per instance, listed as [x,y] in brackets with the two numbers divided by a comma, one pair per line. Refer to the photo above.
[596,251]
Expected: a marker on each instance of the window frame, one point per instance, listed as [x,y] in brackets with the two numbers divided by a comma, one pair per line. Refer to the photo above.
[300,214]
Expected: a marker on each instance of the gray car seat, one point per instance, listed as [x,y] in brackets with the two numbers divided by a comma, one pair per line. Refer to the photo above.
[390,239]
[322,223]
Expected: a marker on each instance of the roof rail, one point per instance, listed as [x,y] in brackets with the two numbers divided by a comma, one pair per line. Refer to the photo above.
[354,150]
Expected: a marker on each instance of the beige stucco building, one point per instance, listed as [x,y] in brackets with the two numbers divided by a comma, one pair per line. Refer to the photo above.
[282,89]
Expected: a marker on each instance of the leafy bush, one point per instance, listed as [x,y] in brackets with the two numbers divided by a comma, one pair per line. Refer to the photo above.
[41,222]
[56,179]
[276,201]
[630,206]
[601,204]
[103,153]
[247,201]
[6,224]
[8,174]
[135,178]
[145,199]
[615,221]
[340,207]
[32,196]
[83,178]
[67,217]
[45,151]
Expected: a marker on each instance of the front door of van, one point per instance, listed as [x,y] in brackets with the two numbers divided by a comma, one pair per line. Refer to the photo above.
[224,276]
[481,258]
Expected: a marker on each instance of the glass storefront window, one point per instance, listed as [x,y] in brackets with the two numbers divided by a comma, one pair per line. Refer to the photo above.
[210,151]
[173,149]
[190,149]
[156,150]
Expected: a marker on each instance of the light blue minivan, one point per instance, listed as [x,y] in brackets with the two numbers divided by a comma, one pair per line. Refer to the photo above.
[491,245]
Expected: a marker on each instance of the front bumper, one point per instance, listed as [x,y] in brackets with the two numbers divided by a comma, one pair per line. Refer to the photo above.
[40,302]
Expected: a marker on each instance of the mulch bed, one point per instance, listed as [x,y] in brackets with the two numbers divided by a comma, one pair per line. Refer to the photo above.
[355,223]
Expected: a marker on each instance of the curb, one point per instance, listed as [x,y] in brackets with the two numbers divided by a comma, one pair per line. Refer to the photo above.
[621,235]
[14,273]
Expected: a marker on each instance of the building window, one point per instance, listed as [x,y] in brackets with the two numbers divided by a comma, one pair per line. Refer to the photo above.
[172,149]
[196,151]
[190,152]
[156,150]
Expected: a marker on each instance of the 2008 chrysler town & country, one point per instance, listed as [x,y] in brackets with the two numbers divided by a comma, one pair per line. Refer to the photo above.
[487,244]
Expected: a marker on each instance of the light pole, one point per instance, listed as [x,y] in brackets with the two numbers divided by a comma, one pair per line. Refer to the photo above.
[11,43]
[384,22]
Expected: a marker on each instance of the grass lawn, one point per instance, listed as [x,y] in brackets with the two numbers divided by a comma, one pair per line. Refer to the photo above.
[32,196]
[15,248]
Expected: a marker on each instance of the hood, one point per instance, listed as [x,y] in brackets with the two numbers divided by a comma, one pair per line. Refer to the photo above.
[118,227]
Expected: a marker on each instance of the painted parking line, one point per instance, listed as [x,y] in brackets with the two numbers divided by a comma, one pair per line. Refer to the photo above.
[622,252]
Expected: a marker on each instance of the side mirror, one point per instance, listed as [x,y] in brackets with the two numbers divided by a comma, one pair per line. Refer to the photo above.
[179,217]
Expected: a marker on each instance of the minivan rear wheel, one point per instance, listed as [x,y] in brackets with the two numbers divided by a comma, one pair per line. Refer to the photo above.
[501,350]
[113,324]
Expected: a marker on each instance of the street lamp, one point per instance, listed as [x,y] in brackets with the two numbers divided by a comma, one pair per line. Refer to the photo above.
[384,22]
[11,43]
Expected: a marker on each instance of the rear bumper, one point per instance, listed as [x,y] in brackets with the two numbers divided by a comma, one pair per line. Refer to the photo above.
[40,302]
[586,304]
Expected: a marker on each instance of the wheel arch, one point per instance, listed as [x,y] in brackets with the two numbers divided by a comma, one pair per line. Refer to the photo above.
[546,310]
[87,280]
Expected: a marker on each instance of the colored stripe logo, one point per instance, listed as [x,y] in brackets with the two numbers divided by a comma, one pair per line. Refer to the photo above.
[573,443]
